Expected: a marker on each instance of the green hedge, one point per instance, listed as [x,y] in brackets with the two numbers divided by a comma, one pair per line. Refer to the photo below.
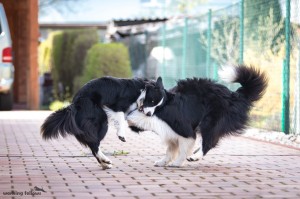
[105,60]
[68,54]
[45,53]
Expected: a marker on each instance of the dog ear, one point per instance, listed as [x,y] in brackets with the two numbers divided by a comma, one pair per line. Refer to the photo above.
[159,83]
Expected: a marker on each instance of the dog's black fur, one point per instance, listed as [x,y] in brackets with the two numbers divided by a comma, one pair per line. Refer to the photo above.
[202,105]
[85,118]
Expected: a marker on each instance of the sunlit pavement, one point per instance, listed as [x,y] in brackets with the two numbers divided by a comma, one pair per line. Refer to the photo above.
[238,168]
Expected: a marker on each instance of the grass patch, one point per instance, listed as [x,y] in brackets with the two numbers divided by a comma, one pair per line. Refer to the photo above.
[120,153]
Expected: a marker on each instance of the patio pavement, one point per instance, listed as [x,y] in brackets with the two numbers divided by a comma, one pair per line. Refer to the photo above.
[238,168]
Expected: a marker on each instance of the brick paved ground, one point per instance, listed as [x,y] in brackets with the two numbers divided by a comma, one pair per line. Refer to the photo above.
[238,168]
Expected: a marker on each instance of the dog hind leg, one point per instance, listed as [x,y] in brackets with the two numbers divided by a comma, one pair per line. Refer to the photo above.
[100,157]
[209,141]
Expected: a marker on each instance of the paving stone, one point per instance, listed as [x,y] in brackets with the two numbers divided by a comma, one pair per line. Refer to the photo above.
[238,168]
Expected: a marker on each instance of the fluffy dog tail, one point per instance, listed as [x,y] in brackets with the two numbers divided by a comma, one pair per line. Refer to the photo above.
[61,122]
[233,119]
[254,82]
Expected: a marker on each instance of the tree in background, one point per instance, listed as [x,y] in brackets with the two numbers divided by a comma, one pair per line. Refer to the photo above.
[268,36]
[261,13]
[225,40]
[59,5]
[263,29]
[261,8]
[186,6]
[170,8]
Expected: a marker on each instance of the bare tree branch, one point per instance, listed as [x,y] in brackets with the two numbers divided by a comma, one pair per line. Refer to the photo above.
[59,5]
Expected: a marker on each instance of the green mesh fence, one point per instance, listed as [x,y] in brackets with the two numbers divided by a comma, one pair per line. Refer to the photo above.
[264,46]
[251,32]
[295,67]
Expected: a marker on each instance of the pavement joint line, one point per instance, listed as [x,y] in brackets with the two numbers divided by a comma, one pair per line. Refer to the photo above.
[66,156]
[237,168]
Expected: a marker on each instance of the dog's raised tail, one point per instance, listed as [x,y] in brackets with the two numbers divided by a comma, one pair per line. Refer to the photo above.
[61,122]
[254,82]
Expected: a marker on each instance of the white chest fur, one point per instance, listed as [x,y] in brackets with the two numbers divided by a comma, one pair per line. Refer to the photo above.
[154,124]
[178,147]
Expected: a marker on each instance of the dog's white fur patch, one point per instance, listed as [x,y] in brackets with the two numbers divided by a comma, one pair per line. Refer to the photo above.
[117,120]
[175,142]
[228,73]
[138,104]
[141,98]
[104,161]
[152,109]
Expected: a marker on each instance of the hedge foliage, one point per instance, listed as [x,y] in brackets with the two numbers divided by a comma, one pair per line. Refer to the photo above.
[110,59]
[74,57]
[45,53]
[69,49]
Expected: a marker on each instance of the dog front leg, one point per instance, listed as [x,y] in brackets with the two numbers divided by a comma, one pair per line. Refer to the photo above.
[117,119]
[171,153]
[121,126]
[197,155]
[185,149]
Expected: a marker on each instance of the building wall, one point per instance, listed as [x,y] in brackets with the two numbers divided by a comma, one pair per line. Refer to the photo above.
[23,21]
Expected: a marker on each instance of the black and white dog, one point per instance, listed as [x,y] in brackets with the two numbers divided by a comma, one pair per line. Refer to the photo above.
[198,106]
[97,102]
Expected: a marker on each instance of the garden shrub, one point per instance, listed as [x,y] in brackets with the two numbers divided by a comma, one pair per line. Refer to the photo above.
[68,53]
[57,105]
[45,53]
[105,60]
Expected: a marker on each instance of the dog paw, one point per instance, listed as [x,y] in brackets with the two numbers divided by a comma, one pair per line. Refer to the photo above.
[160,163]
[107,161]
[198,155]
[193,158]
[190,159]
[122,139]
[174,164]
[106,166]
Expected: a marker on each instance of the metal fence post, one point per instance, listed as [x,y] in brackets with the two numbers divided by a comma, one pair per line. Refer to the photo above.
[241,57]
[283,97]
[163,73]
[286,72]
[184,48]
[208,57]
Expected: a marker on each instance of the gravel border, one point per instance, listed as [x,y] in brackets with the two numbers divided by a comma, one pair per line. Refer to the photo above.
[291,140]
